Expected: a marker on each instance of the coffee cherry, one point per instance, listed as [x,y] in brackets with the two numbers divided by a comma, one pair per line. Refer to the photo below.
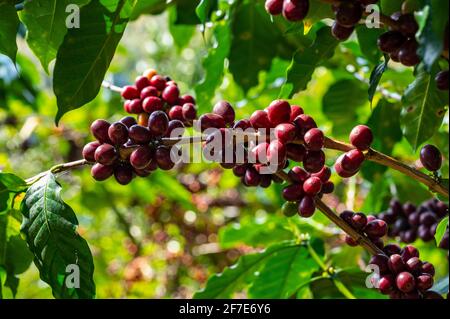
[314,161]
[425,233]
[158,82]
[140,134]
[152,104]
[312,186]
[405,282]
[392,249]
[187,99]
[424,282]
[289,209]
[407,24]
[428,268]
[118,133]
[171,94]
[175,129]
[341,33]
[162,157]
[176,113]
[298,175]
[128,121]
[442,80]
[242,124]
[123,174]
[409,252]
[260,119]
[130,92]
[158,123]
[352,160]
[348,13]
[414,265]
[141,157]
[350,241]
[361,137]
[148,91]
[189,112]
[408,53]
[278,112]
[396,264]
[252,177]
[274,7]
[99,128]
[134,106]
[341,171]
[105,154]
[376,228]
[328,187]
[293,193]
[285,132]
[324,174]
[295,112]
[296,152]
[304,123]
[359,221]
[224,109]
[381,261]
[314,139]
[258,154]
[101,172]
[295,10]
[307,207]
[431,158]
[276,153]
[386,284]
[391,41]
[89,151]
[211,120]
[428,219]
[142,82]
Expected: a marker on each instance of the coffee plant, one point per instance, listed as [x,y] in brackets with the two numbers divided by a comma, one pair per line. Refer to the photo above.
[220,149]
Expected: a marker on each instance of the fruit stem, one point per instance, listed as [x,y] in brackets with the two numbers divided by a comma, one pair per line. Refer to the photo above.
[383,159]
[111,87]
[57,169]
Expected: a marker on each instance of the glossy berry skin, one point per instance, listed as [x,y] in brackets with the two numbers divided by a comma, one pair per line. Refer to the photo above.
[296,152]
[295,112]
[405,282]
[428,268]
[101,172]
[361,137]
[276,153]
[142,82]
[285,132]
[123,174]
[260,119]
[189,112]
[243,125]
[211,120]
[314,139]
[348,13]
[141,157]
[431,158]
[359,221]
[391,41]
[414,265]
[307,207]
[352,160]
[304,123]
[139,134]
[134,106]
[295,10]
[409,252]
[341,33]
[152,104]
[105,154]
[386,284]
[407,25]
[289,209]
[396,264]
[128,121]
[376,229]
[158,82]
[392,249]
[176,113]
[130,92]
[381,261]
[298,175]
[293,193]
[274,7]
[176,128]
[328,187]
[118,133]
[442,80]
[341,171]
[424,282]
[312,186]
[89,151]
[252,177]
[314,161]
[278,112]
[324,174]
[171,94]
[187,99]
[224,109]
[148,91]
[407,54]
[162,156]
[158,123]
[99,128]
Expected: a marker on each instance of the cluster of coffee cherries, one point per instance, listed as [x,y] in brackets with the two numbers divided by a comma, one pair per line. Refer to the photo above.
[374,228]
[130,147]
[402,275]
[349,163]
[410,222]
[431,158]
[152,92]
[292,10]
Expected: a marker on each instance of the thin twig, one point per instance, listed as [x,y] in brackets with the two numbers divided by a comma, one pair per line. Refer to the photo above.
[57,169]
[111,87]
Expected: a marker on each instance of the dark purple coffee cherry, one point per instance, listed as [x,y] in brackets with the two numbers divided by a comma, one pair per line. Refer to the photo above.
[211,120]
[407,24]
[341,33]
[101,172]
[274,7]
[89,151]
[424,282]
[163,158]
[314,161]
[252,177]
[428,219]
[307,207]
[123,174]
[99,129]
[158,123]
[392,249]
[118,133]
[141,157]
[361,137]
[348,13]
[381,261]
[414,265]
[176,128]
[295,10]
[431,158]
[428,268]
[376,228]
[407,54]
[296,152]
[139,134]
[409,252]
[105,154]
[293,193]
[328,187]
[391,41]
[224,109]
[128,121]
[442,80]
[359,221]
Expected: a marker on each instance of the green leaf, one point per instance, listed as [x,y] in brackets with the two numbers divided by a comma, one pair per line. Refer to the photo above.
[148,7]
[9,24]
[9,184]
[50,228]
[306,61]
[389,7]
[343,97]
[186,12]
[204,9]
[254,43]
[235,277]
[181,34]
[283,274]
[441,230]
[367,39]
[318,10]
[86,53]
[424,109]
[385,125]
[213,65]
[46,25]
[433,33]
[375,77]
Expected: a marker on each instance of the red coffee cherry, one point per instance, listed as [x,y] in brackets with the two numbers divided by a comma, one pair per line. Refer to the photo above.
[276,153]
[428,268]
[175,125]
[260,119]
[307,207]
[101,172]
[341,33]
[314,139]
[431,158]
[118,133]
[304,123]
[274,7]
[376,228]
[128,121]
[171,94]
[99,128]
[424,282]
[298,175]
[189,112]
[139,134]
[242,124]
[295,112]
[405,282]
[341,171]
[324,174]
[414,265]
[188,99]
[352,160]
[158,82]
[152,104]
[134,106]
[348,13]
[295,10]
[312,186]
[386,284]
[293,193]
[130,92]
[176,113]
[396,264]
[105,154]
[211,120]
[285,132]
[278,112]
[123,174]
[224,109]
[162,157]
[409,252]
[142,82]
[361,137]
[148,91]
[89,151]
[158,123]
[141,157]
